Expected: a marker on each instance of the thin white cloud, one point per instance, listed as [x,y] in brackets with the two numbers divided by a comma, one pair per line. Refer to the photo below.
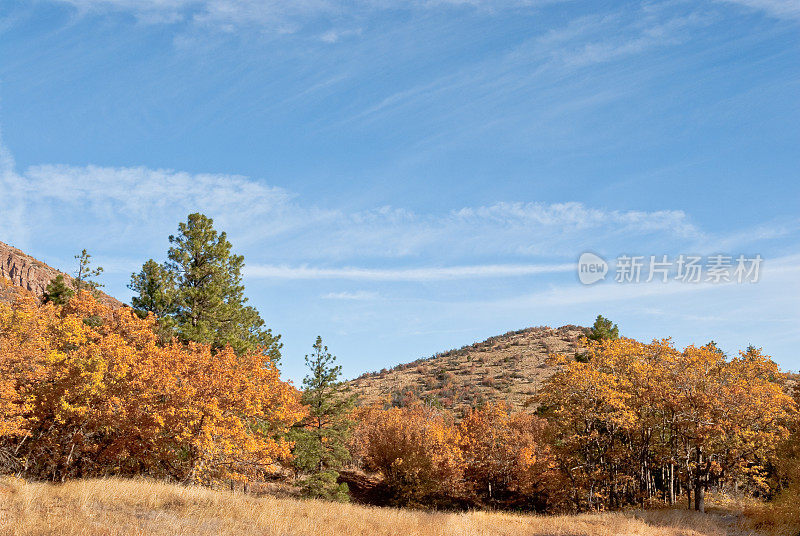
[12,199]
[528,70]
[113,211]
[777,274]
[334,36]
[407,274]
[279,15]
[360,295]
[782,9]
[139,206]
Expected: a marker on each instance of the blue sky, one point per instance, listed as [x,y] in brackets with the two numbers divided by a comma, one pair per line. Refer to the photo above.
[407,177]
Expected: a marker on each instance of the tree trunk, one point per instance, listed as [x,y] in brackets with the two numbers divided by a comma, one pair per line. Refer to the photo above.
[699,496]
[699,484]
[671,483]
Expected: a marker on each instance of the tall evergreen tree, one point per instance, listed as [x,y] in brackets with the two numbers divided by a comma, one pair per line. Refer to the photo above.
[321,443]
[200,290]
[155,285]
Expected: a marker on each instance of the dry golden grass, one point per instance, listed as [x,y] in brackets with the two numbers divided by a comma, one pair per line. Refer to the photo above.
[139,507]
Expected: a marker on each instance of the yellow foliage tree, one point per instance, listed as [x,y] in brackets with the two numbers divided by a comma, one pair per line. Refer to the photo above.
[507,461]
[88,390]
[633,420]
[416,449]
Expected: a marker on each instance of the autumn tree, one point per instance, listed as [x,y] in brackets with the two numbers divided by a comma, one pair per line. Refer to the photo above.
[783,512]
[321,440]
[105,397]
[416,449]
[506,461]
[636,419]
[733,415]
[200,290]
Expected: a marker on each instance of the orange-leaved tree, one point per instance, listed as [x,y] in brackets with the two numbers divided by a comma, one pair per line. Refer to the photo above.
[634,421]
[89,390]
[507,461]
[416,449]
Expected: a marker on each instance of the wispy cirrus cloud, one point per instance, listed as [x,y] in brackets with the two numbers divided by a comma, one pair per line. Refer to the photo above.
[139,206]
[285,17]
[782,9]
[359,295]
[118,209]
[406,274]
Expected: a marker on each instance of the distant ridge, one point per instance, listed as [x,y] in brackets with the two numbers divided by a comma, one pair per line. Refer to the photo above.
[33,275]
[508,368]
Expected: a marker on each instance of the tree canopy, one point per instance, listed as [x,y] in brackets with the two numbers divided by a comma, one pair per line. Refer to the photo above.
[198,292]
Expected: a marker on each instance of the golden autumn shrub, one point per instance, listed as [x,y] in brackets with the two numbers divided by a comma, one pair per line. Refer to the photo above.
[491,457]
[507,461]
[416,449]
[89,390]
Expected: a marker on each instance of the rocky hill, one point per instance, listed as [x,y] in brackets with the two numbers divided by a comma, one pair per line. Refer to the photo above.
[33,275]
[509,367]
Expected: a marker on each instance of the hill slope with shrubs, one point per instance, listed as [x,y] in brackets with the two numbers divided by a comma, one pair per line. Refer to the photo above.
[508,368]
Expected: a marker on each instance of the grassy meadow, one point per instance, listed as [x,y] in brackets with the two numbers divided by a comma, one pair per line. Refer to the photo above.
[117,507]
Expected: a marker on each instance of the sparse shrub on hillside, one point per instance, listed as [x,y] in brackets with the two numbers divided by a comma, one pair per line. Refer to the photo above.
[430,382]
[408,396]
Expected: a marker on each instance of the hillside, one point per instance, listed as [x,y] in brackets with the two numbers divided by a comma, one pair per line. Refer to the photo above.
[508,367]
[114,507]
[33,275]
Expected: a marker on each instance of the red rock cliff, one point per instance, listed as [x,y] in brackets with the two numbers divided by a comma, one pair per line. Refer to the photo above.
[34,275]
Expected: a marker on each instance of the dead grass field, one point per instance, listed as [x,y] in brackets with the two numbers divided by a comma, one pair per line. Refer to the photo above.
[138,507]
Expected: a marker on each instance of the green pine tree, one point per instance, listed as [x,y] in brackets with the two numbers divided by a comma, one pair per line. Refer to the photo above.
[85,274]
[321,444]
[155,285]
[198,292]
[58,291]
[603,329]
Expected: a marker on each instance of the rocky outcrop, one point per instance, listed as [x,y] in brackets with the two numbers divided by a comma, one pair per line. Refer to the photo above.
[34,275]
